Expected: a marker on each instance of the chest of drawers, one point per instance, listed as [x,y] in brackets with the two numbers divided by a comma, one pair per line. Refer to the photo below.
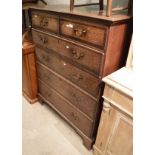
[73,52]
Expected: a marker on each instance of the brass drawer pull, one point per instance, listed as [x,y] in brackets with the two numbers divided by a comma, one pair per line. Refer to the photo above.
[77,77]
[75,54]
[78,99]
[44,22]
[74,116]
[46,58]
[79,32]
[43,40]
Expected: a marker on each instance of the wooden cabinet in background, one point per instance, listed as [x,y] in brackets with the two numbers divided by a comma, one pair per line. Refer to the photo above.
[29,79]
[115,132]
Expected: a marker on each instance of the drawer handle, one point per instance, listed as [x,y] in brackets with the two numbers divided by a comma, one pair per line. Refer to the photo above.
[74,116]
[78,99]
[77,77]
[43,40]
[75,54]
[45,58]
[79,32]
[44,22]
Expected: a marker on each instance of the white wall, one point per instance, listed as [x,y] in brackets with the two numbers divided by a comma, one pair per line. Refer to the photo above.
[68,1]
[83,1]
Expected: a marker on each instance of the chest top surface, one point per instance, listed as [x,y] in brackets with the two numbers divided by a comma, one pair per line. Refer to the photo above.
[121,80]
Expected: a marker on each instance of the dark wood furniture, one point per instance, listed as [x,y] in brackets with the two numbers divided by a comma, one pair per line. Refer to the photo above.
[74,50]
[29,79]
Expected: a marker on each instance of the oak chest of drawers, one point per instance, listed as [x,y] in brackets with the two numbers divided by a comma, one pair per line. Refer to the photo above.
[73,52]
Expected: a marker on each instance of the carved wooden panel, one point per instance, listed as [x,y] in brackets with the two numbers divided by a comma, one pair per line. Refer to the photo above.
[115,133]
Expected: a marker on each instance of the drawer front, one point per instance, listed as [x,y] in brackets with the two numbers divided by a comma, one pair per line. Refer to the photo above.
[77,118]
[72,73]
[88,58]
[89,34]
[75,53]
[45,40]
[76,97]
[45,21]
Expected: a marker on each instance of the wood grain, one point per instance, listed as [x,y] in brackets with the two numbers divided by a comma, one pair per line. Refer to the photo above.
[70,72]
[67,109]
[115,132]
[71,93]
[82,48]
[45,21]
[85,33]
[29,79]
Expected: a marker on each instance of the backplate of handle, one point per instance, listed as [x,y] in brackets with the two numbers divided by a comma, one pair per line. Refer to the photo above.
[44,22]
[77,98]
[74,116]
[75,54]
[77,77]
[77,30]
[43,39]
[46,58]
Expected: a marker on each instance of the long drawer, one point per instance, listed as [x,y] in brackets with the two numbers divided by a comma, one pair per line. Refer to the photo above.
[75,116]
[45,21]
[71,93]
[90,59]
[81,78]
[93,35]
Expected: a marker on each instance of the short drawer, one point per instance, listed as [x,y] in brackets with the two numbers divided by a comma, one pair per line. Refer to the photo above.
[93,35]
[71,93]
[86,57]
[45,21]
[75,116]
[81,78]
[45,40]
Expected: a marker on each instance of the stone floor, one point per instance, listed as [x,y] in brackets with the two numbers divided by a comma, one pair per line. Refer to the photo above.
[46,133]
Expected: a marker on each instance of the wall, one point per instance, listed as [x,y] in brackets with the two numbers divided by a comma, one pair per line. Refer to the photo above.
[67,1]
[115,2]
